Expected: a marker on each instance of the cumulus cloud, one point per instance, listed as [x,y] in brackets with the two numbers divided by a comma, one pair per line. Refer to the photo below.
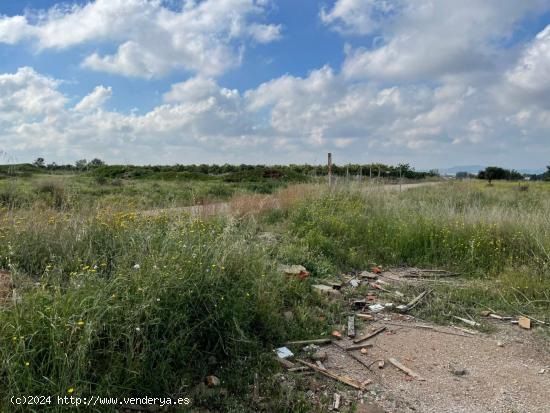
[94,100]
[204,37]
[422,39]
[532,72]
[28,95]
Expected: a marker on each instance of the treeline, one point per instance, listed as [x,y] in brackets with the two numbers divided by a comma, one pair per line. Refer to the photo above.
[230,172]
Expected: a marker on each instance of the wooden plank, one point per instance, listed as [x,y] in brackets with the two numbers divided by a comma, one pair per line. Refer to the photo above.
[366,337]
[286,363]
[315,341]
[406,370]
[358,346]
[351,326]
[342,379]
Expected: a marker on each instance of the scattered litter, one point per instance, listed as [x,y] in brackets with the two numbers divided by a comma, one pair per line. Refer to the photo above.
[500,344]
[405,369]
[351,326]
[369,317]
[336,403]
[541,371]
[388,306]
[469,322]
[284,353]
[376,308]
[359,304]
[320,364]
[370,335]
[377,270]
[364,350]
[343,379]
[380,364]
[524,322]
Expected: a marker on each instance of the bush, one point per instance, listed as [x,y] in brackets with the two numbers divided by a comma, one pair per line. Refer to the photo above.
[55,191]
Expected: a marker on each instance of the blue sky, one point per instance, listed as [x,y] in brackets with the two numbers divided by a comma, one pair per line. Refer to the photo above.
[432,83]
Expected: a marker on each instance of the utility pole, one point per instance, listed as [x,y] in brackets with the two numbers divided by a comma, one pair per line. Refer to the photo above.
[329,168]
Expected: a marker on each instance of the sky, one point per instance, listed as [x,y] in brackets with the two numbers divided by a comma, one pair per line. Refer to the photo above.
[433,83]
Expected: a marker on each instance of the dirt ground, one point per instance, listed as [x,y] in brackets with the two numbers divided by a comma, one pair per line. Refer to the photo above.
[465,371]
[504,372]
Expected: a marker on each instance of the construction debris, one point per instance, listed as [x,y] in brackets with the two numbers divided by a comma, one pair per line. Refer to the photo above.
[524,322]
[351,326]
[343,379]
[298,271]
[370,335]
[406,370]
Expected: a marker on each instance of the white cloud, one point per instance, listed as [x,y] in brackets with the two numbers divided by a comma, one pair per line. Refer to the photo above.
[423,39]
[532,73]
[358,16]
[94,100]
[205,37]
[27,95]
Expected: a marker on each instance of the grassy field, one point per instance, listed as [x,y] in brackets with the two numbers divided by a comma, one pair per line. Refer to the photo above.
[114,302]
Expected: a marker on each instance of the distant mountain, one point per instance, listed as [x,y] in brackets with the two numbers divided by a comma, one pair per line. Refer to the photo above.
[474,169]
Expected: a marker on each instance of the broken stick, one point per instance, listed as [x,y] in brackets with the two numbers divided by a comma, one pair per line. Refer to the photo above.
[406,370]
[366,337]
[342,379]
[315,341]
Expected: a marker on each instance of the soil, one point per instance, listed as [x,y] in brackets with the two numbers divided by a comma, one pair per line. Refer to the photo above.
[505,371]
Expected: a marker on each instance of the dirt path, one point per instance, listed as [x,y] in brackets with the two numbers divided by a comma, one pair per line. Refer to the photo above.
[514,377]
[224,208]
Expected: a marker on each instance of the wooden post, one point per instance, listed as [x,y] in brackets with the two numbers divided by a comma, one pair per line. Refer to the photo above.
[330,168]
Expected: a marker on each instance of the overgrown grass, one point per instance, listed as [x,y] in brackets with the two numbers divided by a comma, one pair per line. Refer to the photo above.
[114,302]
